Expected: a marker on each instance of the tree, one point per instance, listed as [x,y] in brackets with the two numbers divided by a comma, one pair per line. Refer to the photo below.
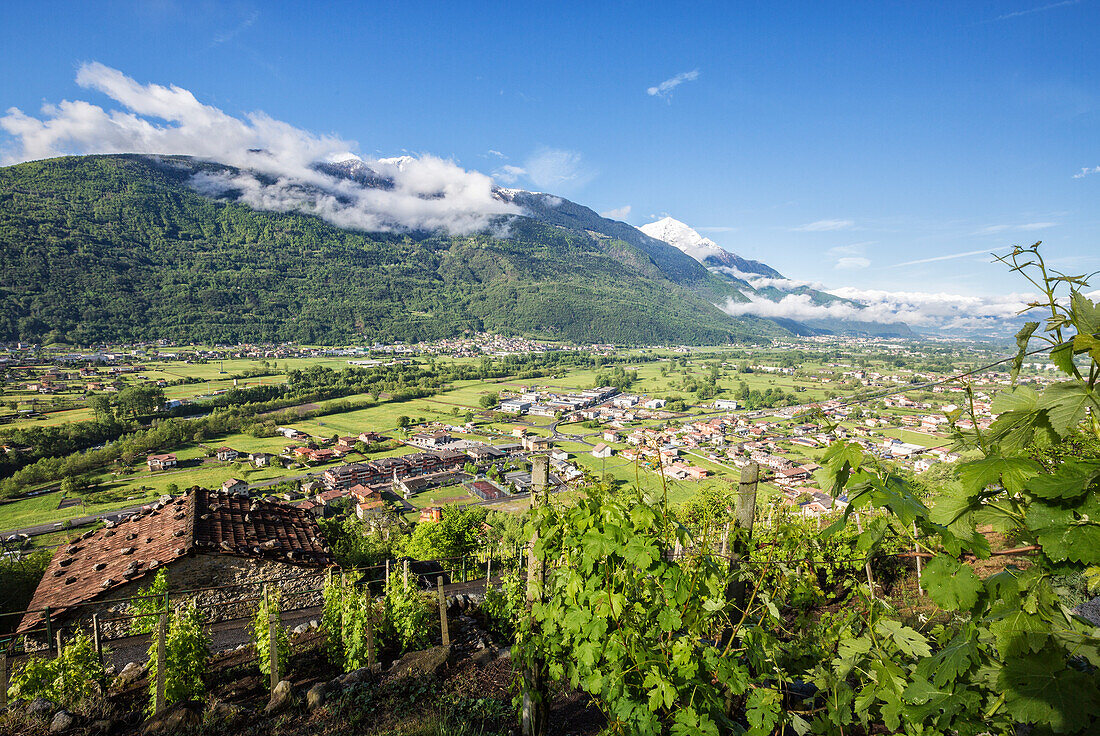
[404,421]
[457,534]
[101,407]
[489,400]
[137,400]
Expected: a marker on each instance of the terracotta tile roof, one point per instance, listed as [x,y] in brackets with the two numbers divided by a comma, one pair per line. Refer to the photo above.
[202,521]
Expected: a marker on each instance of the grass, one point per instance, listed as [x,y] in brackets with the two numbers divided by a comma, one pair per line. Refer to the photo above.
[31,511]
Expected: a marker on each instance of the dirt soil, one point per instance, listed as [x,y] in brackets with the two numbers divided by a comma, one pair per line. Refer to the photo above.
[470,697]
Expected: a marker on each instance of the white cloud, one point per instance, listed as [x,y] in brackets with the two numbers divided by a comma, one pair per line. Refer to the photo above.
[757,281]
[494,152]
[556,168]
[240,28]
[850,257]
[942,258]
[665,88]
[1027,226]
[619,213]
[1038,9]
[427,192]
[919,309]
[1086,171]
[509,174]
[820,226]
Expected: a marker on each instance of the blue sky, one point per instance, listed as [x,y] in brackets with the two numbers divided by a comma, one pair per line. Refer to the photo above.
[836,142]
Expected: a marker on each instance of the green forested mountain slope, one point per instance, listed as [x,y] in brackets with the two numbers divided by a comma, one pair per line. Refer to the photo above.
[121,248]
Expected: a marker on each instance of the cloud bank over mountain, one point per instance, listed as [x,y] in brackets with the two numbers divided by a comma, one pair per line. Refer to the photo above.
[426,192]
[931,311]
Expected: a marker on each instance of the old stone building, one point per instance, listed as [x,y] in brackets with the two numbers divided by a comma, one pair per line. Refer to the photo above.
[215,546]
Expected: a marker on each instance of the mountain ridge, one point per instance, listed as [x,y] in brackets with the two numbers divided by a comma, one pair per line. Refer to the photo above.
[123,247]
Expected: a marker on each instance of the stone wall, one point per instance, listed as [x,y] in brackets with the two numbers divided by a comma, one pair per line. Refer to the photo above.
[237,582]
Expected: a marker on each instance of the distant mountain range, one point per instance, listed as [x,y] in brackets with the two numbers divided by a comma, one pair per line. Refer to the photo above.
[128,247]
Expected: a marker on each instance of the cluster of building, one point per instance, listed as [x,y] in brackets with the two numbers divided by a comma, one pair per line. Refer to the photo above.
[548,404]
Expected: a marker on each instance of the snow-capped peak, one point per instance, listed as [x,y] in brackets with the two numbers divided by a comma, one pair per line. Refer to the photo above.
[679,235]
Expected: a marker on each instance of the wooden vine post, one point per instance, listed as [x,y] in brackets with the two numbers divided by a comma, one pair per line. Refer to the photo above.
[162,634]
[743,516]
[443,628]
[272,638]
[370,632]
[96,637]
[535,713]
[3,678]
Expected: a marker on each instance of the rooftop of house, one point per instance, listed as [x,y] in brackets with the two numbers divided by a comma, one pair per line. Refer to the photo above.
[198,522]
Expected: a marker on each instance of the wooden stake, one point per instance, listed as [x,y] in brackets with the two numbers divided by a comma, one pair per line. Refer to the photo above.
[162,634]
[370,632]
[273,641]
[3,679]
[59,643]
[405,575]
[443,613]
[744,514]
[535,713]
[95,637]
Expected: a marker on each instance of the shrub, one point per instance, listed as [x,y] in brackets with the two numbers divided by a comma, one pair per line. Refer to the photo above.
[348,611]
[67,679]
[187,648]
[502,607]
[409,614]
[261,636]
[146,608]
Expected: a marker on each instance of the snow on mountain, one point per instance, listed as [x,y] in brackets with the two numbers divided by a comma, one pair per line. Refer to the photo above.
[682,236]
[706,251]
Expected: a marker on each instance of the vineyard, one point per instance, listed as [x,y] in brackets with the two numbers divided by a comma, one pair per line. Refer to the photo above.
[909,612]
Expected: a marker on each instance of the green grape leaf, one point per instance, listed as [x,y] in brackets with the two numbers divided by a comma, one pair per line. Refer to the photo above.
[1066,403]
[1070,480]
[1010,472]
[950,584]
[1040,689]
[1062,357]
[1019,632]
[1022,339]
[838,464]
[1019,398]
[920,692]
[953,660]
[762,710]
[1087,344]
[1071,534]
[908,640]
[1086,313]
